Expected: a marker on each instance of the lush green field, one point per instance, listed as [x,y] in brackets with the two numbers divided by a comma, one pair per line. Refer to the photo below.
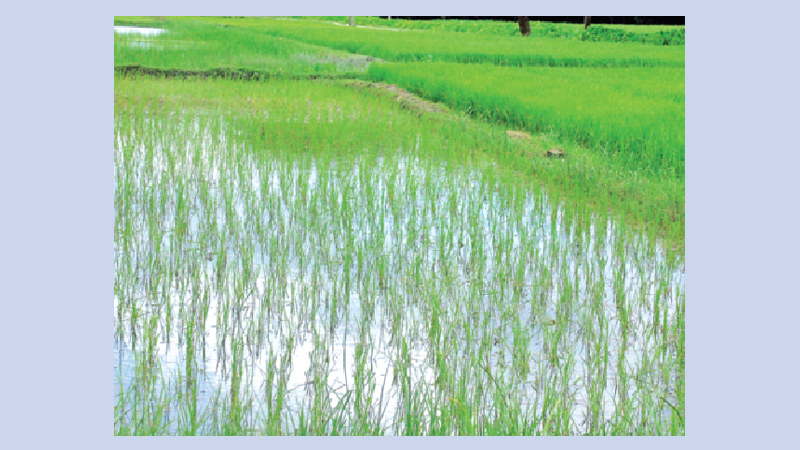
[298,257]
[634,115]
[651,34]
[301,254]
[420,45]
[428,46]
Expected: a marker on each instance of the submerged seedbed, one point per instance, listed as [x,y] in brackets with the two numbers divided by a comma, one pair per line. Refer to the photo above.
[269,284]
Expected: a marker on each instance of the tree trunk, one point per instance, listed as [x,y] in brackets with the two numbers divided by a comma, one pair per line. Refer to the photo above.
[351,21]
[524,25]
[587,20]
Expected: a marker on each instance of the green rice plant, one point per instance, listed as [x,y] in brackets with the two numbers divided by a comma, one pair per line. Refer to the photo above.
[441,46]
[636,116]
[192,47]
[446,46]
[631,193]
[654,35]
[323,261]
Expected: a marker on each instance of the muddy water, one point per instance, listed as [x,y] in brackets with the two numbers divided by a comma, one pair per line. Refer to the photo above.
[282,228]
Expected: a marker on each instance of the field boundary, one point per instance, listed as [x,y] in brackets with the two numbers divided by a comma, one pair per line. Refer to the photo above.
[225,73]
[406,99]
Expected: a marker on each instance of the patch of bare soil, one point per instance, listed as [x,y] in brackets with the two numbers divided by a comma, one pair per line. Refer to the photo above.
[519,135]
[528,141]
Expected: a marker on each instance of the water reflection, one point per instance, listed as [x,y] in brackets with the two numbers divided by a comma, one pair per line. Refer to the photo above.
[138,30]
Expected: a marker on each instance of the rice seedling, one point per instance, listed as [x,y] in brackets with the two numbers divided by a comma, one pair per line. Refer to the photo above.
[306,258]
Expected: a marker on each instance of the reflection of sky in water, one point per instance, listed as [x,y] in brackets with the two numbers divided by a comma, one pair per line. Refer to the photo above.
[138,30]
[139,38]
[444,209]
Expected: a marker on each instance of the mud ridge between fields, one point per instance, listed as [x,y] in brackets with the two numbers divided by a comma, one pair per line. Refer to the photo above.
[406,99]
[226,73]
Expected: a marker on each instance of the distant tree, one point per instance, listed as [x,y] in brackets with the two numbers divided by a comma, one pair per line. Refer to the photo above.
[524,25]
[587,20]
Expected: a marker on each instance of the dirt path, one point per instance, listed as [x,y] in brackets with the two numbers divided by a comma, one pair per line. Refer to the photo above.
[406,99]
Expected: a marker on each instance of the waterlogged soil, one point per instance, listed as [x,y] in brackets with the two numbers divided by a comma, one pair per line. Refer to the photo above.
[373,286]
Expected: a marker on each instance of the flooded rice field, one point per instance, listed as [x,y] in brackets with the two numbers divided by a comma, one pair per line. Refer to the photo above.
[140,37]
[138,30]
[267,292]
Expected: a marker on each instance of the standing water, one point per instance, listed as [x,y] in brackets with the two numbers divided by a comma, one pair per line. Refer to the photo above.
[375,295]
[138,30]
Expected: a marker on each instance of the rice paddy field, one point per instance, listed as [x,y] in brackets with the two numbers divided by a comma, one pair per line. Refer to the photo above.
[303,249]
[201,47]
[592,106]
[652,34]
